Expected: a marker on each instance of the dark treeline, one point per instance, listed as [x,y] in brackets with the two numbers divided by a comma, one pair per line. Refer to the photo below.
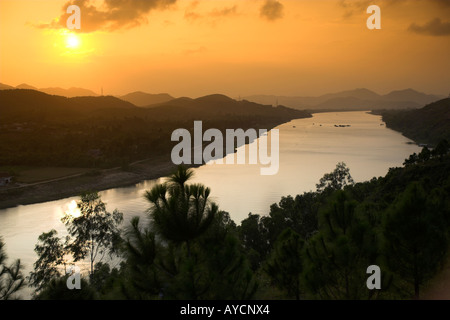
[38,129]
[428,125]
[317,245]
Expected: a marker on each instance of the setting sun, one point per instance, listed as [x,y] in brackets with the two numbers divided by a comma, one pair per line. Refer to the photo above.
[72,41]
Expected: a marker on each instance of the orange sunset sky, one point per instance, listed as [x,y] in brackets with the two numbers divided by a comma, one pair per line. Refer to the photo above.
[235,47]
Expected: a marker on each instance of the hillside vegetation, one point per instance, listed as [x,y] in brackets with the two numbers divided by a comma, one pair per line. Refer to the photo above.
[427,125]
[38,129]
[316,245]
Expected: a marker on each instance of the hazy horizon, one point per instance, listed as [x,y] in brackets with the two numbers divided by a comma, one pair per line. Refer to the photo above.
[214,93]
[236,48]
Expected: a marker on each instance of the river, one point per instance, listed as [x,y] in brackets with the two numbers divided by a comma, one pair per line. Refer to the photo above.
[309,148]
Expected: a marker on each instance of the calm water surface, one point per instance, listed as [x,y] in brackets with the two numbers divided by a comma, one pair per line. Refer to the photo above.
[309,148]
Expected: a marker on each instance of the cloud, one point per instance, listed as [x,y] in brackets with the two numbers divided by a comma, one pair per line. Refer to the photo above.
[113,15]
[358,6]
[272,10]
[192,13]
[435,27]
[192,16]
[353,7]
[228,11]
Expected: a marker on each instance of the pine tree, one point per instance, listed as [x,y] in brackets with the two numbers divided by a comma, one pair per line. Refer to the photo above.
[11,277]
[285,264]
[180,212]
[415,234]
[337,257]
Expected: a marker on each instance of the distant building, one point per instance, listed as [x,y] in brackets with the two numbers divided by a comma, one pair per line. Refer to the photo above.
[5,178]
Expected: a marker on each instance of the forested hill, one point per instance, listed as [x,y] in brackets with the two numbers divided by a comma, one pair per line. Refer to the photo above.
[38,129]
[26,104]
[142,99]
[428,125]
[29,105]
[221,106]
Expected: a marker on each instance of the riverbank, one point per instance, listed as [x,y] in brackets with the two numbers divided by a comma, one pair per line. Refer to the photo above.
[307,151]
[92,181]
[98,180]
[428,125]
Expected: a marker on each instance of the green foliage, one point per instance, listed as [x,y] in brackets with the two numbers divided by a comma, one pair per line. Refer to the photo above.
[427,125]
[314,245]
[335,180]
[253,236]
[226,266]
[338,255]
[140,250]
[216,267]
[181,212]
[106,281]
[285,264]
[415,233]
[51,252]
[441,149]
[299,214]
[95,231]
[11,277]
[56,289]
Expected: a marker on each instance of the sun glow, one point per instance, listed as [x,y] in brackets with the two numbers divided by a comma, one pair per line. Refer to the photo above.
[73,41]
[73,209]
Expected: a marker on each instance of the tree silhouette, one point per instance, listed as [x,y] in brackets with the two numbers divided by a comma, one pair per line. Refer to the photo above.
[56,289]
[441,149]
[336,258]
[181,212]
[140,251]
[285,264]
[255,238]
[95,231]
[225,267]
[415,235]
[11,278]
[424,155]
[336,180]
[50,251]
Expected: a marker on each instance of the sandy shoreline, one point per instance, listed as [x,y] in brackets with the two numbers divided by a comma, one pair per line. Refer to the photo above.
[55,189]
[74,186]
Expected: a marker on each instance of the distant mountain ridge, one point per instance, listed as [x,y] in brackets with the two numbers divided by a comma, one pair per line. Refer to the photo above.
[138,98]
[357,99]
[27,104]
[5,87]
[26,86]
[69,93]
[143,99]
[219,106]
